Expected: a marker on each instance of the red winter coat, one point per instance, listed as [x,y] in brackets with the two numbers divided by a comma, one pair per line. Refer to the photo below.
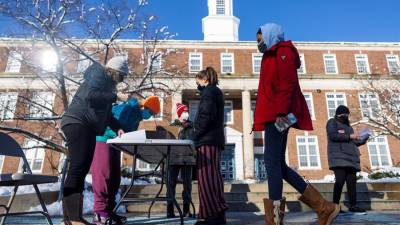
[279,90]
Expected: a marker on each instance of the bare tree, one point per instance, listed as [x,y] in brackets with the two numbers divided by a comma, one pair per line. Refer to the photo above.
[55,35]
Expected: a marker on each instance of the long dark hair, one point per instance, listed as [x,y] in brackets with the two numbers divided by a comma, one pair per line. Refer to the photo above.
[210,74]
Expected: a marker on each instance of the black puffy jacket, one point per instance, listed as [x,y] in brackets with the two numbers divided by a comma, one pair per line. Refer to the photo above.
[93,102]
[209,122]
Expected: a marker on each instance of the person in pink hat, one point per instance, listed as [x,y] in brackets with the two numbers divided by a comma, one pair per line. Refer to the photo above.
[186,132]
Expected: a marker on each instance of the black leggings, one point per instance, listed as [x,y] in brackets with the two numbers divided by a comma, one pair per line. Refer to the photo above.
[348,175]
[81,142]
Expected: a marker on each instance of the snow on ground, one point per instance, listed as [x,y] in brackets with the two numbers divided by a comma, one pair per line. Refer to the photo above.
[365,179]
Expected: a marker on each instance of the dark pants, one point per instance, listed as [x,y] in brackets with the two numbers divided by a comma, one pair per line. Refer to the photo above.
[342,175]
[81,142]
[211,184]
[275,164]
[106,177]
[186,174]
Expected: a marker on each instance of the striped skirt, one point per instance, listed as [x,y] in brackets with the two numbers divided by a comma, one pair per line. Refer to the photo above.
[211,184]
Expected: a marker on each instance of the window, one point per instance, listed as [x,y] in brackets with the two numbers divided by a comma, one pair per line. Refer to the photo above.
[257,57]
[8,103]
[155,62]
[160,115]
[362,64]
[41,105]
[393,64]
[330,64]
[14,62]
[302,69]
[35,154]
[143,166]
[369,105]
[308,153]
[379,153]
[257,134]
[310,104]
[227,63]
[220,7]
[195,62]
[333,100]
[228,112]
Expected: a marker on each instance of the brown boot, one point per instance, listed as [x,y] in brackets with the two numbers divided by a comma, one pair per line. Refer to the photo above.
[326,211]
[72,210]
[274,211]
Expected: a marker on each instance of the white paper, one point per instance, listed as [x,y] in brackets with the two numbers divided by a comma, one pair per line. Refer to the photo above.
[135,135]
[365,133]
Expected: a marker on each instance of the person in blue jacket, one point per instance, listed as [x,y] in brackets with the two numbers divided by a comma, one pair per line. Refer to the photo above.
[106,165]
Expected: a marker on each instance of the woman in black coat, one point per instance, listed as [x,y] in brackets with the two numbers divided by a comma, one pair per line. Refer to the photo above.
[344,156]
[87,116]
[209,140]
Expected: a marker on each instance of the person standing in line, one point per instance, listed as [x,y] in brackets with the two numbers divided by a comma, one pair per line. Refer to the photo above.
[209,139]
[88,115]
[185,133]
[279,95]
[106,165]
[344,156]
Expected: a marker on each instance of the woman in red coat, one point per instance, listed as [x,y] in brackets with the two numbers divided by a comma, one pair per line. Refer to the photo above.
[279,95]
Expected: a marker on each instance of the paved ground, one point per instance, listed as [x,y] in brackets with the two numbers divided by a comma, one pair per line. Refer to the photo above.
[371,218]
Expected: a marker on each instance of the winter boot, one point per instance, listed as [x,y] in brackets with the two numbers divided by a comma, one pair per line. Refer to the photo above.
[326,211]
[72,210]
[274,211]
[186,210]
[170,210]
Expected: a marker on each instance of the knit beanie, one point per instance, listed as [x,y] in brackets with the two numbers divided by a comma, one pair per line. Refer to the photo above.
[180,108]
[152,103]
[119,63]
[341,109]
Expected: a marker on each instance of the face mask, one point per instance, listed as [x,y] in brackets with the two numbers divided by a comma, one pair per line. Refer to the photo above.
[184,117]
[262,47]
[146,114]
[200,87]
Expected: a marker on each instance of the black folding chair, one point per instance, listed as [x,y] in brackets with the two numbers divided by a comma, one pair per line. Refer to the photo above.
[9,147]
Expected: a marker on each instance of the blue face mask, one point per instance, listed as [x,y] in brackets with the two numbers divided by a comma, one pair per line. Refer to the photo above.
[146,114]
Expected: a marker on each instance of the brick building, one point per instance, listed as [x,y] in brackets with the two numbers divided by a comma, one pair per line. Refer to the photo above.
[326,77]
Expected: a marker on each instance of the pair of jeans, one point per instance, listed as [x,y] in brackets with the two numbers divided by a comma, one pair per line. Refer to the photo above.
[106,177]
[275,163]
[348,175]
[81,142]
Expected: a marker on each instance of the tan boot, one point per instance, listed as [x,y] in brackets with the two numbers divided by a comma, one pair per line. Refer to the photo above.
[274,211]
[72,210]
[326,211]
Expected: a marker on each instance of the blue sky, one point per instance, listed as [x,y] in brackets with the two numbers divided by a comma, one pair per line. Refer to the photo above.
[303,20]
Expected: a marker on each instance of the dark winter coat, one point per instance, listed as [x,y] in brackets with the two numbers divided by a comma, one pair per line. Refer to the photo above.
[342,151]
[92,103]
[209,122]
[186,133]
[279,90]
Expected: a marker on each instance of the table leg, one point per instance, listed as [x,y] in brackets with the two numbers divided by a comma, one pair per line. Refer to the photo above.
[159,192]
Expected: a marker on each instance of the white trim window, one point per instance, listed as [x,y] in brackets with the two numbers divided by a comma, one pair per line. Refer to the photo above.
[256,59]
[195,62]
[257,134]
[35,154]
[193,108]
[154,62]
[362,64]
[302,69]
[369,103]
[227,63]
[220,7]
[14,62]
[308,152]
[228,112]
[333,100]
[310,104]
[330,64]
[8,104]
[379,153]
[41,104]
[393,64]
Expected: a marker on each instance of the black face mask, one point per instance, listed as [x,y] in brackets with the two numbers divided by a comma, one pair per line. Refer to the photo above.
[262,47]
[200,87]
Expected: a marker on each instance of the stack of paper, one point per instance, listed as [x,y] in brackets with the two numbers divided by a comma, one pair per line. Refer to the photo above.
[365,133]
[135,135]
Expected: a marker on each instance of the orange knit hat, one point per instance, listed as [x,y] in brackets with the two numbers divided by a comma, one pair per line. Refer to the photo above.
[152,103]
